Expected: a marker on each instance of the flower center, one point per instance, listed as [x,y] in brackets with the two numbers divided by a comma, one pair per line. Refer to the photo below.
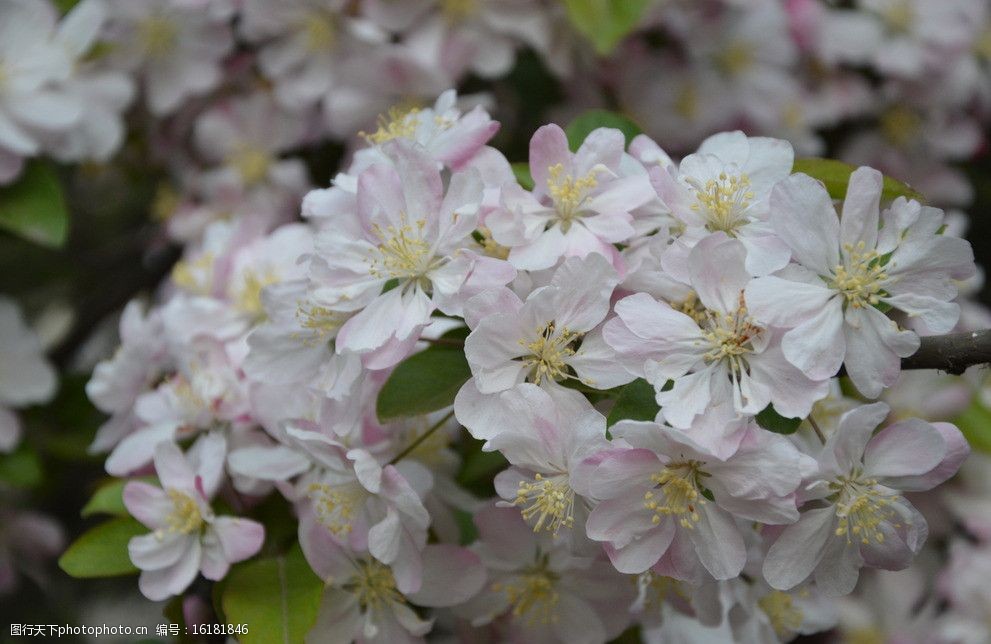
[490,246]
[551,500]
[195,276]
[251,163]
[185,517]
[457,10]
[336,505]
[677,493]
[320,32]
[549,352]
[374,586]
[862,508]
[568,193]
[785,617]
[158,36]
[723,201]
[730,337]
[248,297]
[900,125]
[400,122]
[686,104]
[532,595]
[737,58]
[860,278]
[653,590]
[402,253]
[319,320]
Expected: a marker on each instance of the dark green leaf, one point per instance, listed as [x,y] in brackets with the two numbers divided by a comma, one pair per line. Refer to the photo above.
[102,551]
[109,497]
[637,401]
[522,172]
[605,22]
[34,208]
[591,120]
[835,175]
[975,423]
[771,420]
[21,468]
[424,382]
[278,598]
[479,465]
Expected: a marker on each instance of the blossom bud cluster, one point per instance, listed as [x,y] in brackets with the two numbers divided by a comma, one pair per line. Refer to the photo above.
[717,289]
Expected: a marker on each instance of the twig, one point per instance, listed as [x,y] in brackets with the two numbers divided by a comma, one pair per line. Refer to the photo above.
[952,353]
[815,428]
[422,437]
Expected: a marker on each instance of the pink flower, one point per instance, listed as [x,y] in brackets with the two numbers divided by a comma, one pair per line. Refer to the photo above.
[665,498]
[849,266]
[581,202]
[860,518]
[187,536]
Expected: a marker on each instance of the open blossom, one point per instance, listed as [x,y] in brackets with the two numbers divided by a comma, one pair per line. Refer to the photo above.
[724,187]
[581,202]
[849,266]
[666,498]
[715,352]
[411,231]
[858,516]
[543,339]
[26,377]
[187,537]
[543,442]
[539,591]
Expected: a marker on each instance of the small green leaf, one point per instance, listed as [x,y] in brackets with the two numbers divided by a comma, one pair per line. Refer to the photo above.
[605,22]
[278,598]
[34,207]
[102,551]
[835,175]
[109,498]
[637,401]
[479,465]
[591,120]
[21,468]
[424,382]
[772,421]
[975,424]
[522,171]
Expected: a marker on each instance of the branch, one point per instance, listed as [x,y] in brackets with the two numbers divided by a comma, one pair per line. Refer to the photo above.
[952,353]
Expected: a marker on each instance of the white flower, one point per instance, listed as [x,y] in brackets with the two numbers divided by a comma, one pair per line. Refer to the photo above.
[26,377]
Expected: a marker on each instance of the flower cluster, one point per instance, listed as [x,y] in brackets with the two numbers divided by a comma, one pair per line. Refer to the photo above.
[718,290]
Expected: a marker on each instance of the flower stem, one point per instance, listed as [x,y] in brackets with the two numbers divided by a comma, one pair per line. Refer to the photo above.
[815,428]
[422,437]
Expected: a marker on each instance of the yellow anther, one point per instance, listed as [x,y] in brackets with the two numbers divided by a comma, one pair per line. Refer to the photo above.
[320,31]
[185,517]
[723,201]
[679,486]
[730,336]
[860,277]
[400,122]
[548,354]
[532,595]
[336,506]
[251,163]
[248,298]
[551,500]
[373,586]
[568,193]
[785,617]
[736,58]
[158,35]
[403,252]
[195,277]
[862,509]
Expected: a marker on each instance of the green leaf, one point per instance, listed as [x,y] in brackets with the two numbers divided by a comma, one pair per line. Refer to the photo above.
[522,171]
[772,421]
[975,424]
[479,465]
[278,598]
[424,382]
[835,175]
[637,401]
[34,207]
[605,22]
[102,551]
[21,468]
[591,120]
[109,497]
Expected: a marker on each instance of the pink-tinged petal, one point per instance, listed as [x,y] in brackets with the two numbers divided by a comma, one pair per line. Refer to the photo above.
[596,363]
[602,146]
[690,396]
[339,619]
[861,208]
[652,320]
[799,549]
[326,557]
[172,468]
[583,287]
[957,451]
[839,569]
[766,252]
[268,462]
[638,555]
[402,495]
[717,273]
[874,348]
[718,542]
[147,503]
[817,346]
[213,564]
[366,469]
[239,538]
[578,622]
[620,520]
[784,302]
[543,252]
[157,585]
[847,444]
[391,315]
[909,447]
[506,535]
[614,472]
[154,552]
[138,449]
[208,457]
[380,197]
[802,215]
[624,194]
[548,147]
[451,576]
[768,161]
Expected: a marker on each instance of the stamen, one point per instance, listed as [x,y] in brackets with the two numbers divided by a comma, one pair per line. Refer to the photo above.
[403,253]
[335,506]
[248,298]
[319,319]
[785,617]
[862,508]
[723,201]
[568,193]
[860,277]
[251,163]
[374,586]
[678,494]
[549,352]
[400,122]
[532,595]
[551,500]
[185,517]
